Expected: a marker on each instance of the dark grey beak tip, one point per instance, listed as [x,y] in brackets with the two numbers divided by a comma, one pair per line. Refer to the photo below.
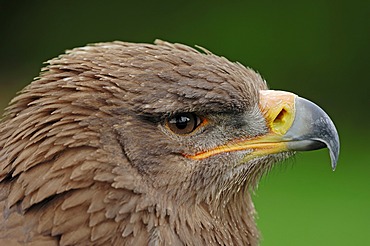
[334,147]
[313,129]
[327,134]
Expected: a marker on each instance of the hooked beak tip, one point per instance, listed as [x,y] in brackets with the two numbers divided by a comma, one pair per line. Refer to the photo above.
[313,129]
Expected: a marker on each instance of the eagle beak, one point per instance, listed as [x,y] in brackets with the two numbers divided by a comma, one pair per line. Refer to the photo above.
[297,124]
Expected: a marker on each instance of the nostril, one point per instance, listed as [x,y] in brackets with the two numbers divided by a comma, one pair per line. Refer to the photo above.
[280,118]
[282,121]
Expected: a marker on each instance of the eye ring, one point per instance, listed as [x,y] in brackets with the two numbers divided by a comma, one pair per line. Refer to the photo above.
[183,123]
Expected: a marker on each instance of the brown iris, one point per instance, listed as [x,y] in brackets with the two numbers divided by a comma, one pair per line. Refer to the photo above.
[183,123]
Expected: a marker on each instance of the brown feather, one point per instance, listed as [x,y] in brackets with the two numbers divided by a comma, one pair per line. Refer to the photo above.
[83,160]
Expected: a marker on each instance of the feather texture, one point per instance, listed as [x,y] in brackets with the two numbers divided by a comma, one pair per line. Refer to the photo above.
[84,159]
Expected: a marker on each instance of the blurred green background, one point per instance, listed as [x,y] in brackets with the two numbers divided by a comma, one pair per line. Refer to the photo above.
[317,49]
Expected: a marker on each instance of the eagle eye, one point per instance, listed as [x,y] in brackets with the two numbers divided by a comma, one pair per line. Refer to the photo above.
[183,123]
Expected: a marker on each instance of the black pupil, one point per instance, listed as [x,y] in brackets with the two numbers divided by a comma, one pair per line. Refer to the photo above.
[182,121]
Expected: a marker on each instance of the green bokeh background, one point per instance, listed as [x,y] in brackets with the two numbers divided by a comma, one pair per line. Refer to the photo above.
[317,49]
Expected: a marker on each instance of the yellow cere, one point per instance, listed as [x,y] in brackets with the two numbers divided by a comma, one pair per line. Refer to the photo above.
[278,109]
